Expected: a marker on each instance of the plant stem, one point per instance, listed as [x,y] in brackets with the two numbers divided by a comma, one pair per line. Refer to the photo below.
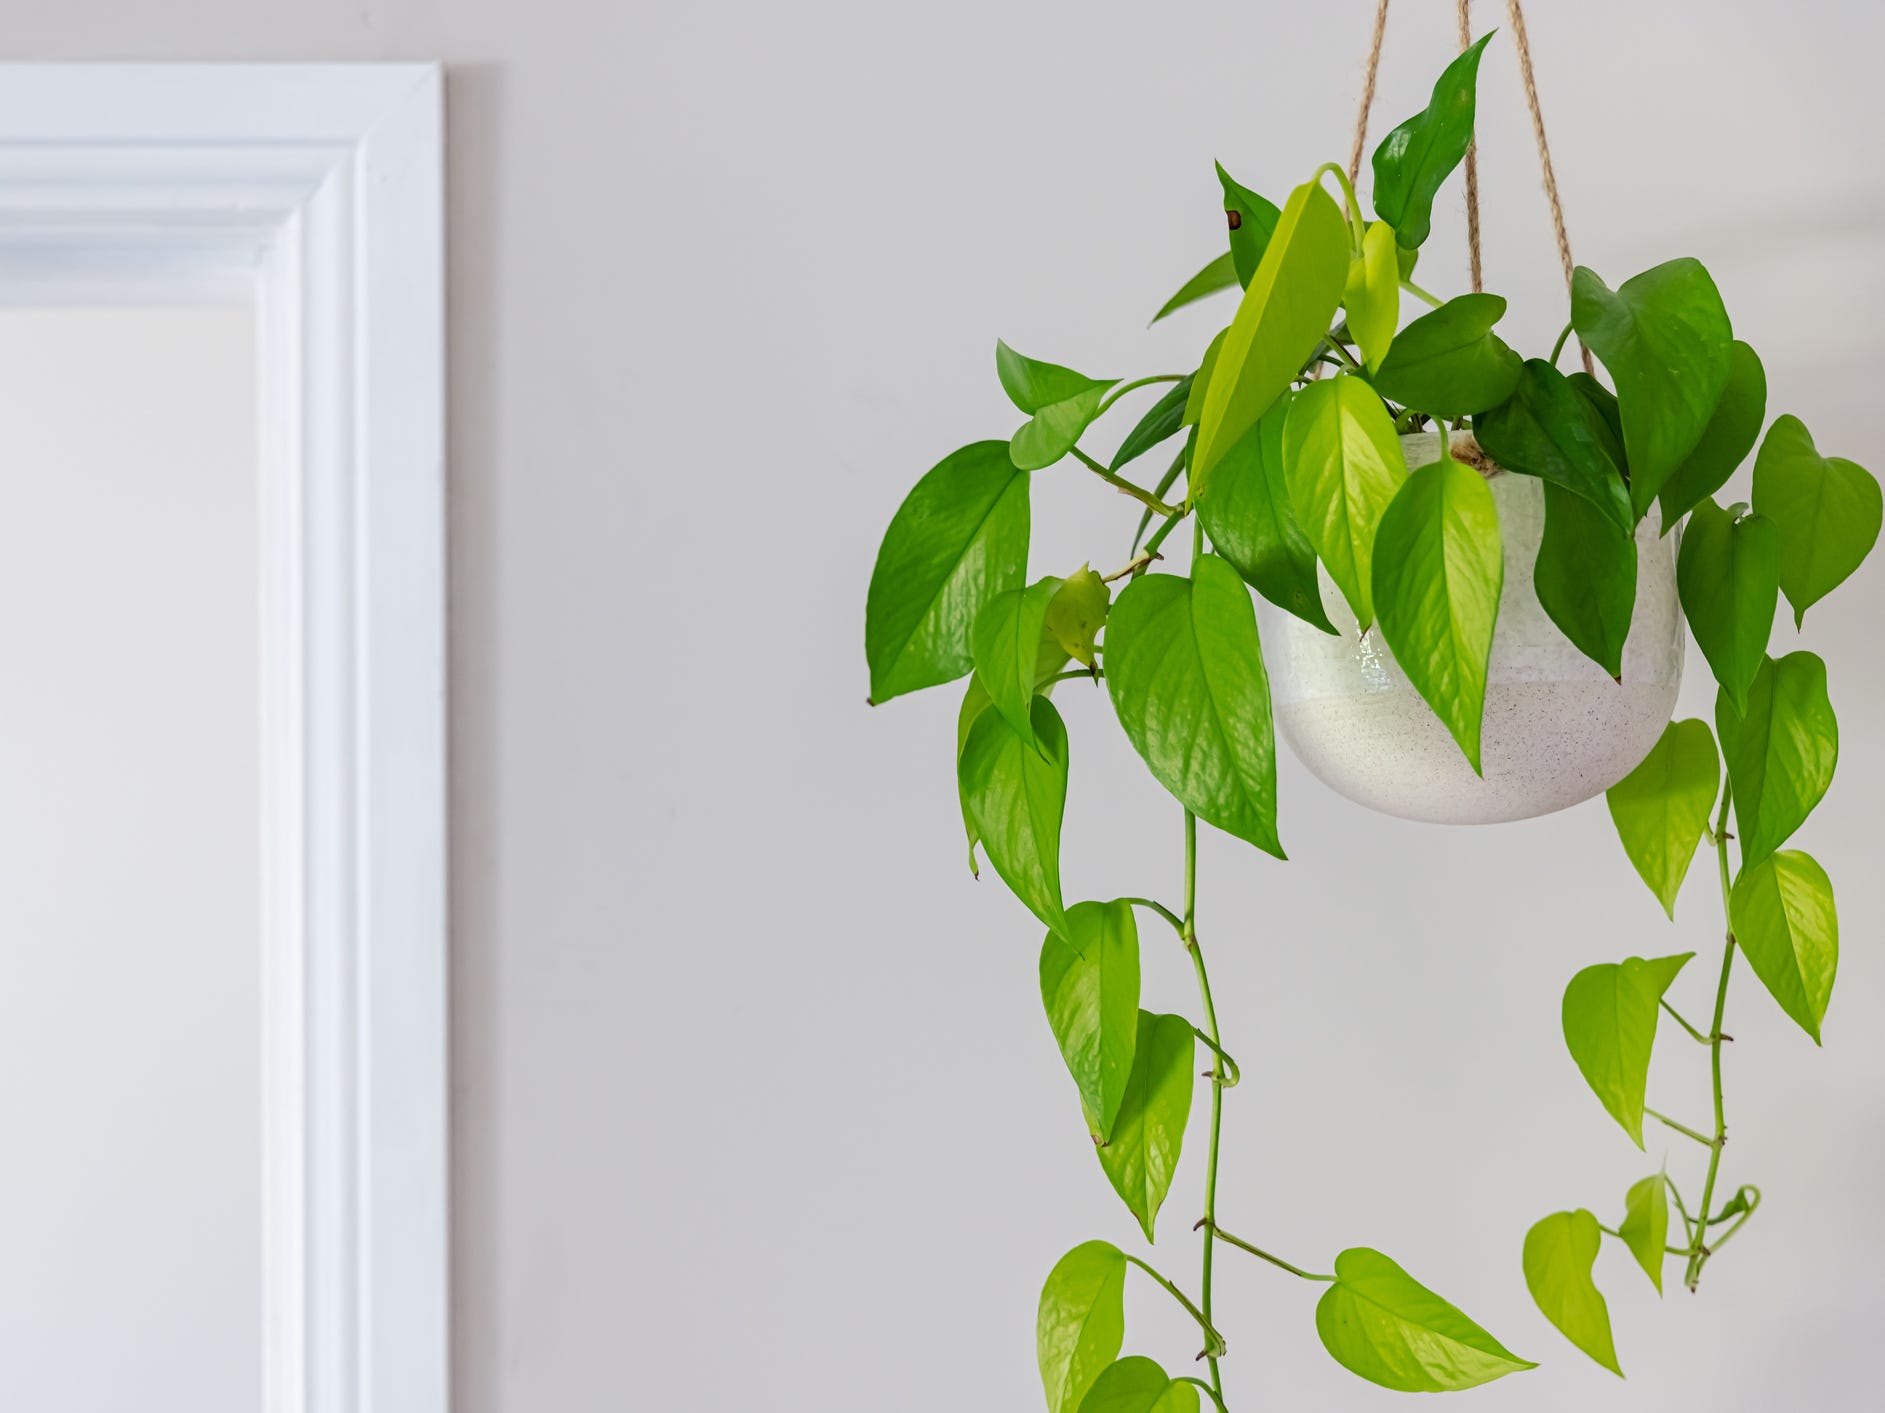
[1120,483]
[1213,1341]
[1432,301]
[1158,535]
[1087,674]
[1215,1397]
[1558,347]
[1276,1261]
[1177,922]
[1684,1129]
[1693,1032]
[1125,388]
[1351,204]
[1189,933]
[1347,359]
[1699,1254]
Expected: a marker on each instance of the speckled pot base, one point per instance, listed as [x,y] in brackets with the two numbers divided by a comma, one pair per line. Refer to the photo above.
[1557,729]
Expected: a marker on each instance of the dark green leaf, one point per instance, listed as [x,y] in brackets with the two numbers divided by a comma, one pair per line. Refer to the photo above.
[1165,418]
[1142,1154]
[1138,1385]
[1783,917]
[1186,675]
[1373,296]
[1343,463]
[1015,795]
[1252,221]
[1726,440]
[1610,1027]
[1090,989]
[1728,574]
[1078,612]
[1081,1323]
[1661,808]
[1285,314]
[1645,1225]
[959,538]
[1382,1324]
[1828,510]
[1559,1254]
[1604,403]
[1667,342]
[1438,570]
[1549,430]
[1585,577]
[1007,643]
[1221,273]
[1448,362]
[1247,514]
[1414,159]
[1780,752]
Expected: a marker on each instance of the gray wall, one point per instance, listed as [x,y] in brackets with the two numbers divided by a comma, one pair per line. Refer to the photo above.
[754,1106]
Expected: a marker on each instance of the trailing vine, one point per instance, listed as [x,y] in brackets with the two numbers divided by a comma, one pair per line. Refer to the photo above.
[1292,475]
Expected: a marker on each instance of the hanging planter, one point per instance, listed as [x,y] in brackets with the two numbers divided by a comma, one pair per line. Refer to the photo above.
[1557,728]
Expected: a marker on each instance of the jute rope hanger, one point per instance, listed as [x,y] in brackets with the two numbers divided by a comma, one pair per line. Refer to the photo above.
[1515,11]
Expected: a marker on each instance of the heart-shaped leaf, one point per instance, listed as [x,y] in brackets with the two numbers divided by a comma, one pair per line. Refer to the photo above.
[1284,316]
[1221,273]
[1077,612]
[1783,917]
[1780,752]
[959,538]
[1149,1131]
[1139,1385]
[1373,296]
[1828,510]
[1726,440]
[1165,418]
[1604,403]
[1343,464]
[1414,159]
[1007,645]
[1060,404]
[1448,362]
[1661,808]
[1015,793]
[1728,575]
[1585,577]
[1380,1323]
[1547,429]
[1047,662]
[1438,570]
[1185,671]
[1252,220]
[1645,1225]
[1247,514]
[1081,1322]
[1090,989]
[1559,1254]
[1667,342]
[1610,1027]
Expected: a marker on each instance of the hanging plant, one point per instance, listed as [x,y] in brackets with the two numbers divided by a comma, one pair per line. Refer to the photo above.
[1473,605]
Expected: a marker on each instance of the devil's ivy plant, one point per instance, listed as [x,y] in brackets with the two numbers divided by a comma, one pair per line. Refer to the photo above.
[1278,469]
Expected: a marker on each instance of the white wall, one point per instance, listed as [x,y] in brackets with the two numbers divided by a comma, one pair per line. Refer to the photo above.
[130,1222]
[754,1106]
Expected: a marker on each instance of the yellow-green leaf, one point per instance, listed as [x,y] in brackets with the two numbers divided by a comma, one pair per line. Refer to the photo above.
[1559,1254]
[1078,611]
[1373,295]
[1014,793]
[1148,1134]
[1139,1385]
[1090,990]
[1081,1322]
[1645,1225]
[1661,807]
[1343,463]
[1783,917]
[1781,751]
[1610,1012]
[1380,1323]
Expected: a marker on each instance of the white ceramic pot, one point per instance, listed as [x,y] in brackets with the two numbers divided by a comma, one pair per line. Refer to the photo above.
[1557,729]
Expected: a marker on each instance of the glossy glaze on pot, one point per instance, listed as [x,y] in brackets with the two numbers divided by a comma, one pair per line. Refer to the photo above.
[1557,729]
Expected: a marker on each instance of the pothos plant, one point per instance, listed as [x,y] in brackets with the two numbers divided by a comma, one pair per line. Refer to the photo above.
[1281,469]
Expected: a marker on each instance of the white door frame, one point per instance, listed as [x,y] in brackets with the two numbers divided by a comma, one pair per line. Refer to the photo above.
[316,191]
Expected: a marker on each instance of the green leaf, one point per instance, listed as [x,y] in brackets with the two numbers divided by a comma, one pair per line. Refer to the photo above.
[1252,221]
[1414,159]
[1585,577]
[1142,1153]
[1645,1225]
[1060,403]
[1828,510]
[1165,418]
[1780,752]
[1014,794]
[959,538]
[1448,362]
[1007,642]
[1783,917]
[1559,1254]
[1284,316]
[1077,612]
[1726,440]
[1728,575]
[1081,1323]
[1604,403]
[1139,1385]
[1438,569]
[1185,671]
[1090,989]
[1343,463]
[1549,430]
[1221,273]
[1247,514]
[1610,1027]
[1661,808]
[1034,386]
[1373,295]
[1201,380]
[1667,342]
[1382,1324]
